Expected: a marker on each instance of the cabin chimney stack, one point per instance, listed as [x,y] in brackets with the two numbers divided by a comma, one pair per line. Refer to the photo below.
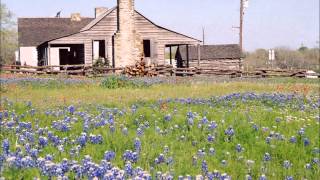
[76,17]
[125,14]
[127,41]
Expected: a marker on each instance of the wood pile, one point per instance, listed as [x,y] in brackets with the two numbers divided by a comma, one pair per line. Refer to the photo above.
[140,69]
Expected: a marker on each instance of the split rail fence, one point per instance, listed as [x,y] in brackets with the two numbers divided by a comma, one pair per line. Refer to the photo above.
[163,70]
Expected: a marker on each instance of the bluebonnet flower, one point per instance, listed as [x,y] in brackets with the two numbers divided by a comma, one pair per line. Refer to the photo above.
[32,112]
[109,155]
[49,157]
[128,169]
[293,139]
[137,145]
[161,159]
[239,148]
[286,164]
[306,141]
[225,176]
[34,153]
[168,117]
[268,140]
[95,139]
[201,153]
[216,174]
[6,146]
[169,160]
[263,177]
[301,132]
[248,177]
[111,119]
[130,156]
[71,109]
[212,151]
[267,157]
[190,121]
[190,115]
[134,109]
[316,161]
[212,125]
[229,131]
[289,178]
[210,138]
[43,141]
[140,132]
[82,140]
[112,129]
[308,166]
[204,167]
[204,120]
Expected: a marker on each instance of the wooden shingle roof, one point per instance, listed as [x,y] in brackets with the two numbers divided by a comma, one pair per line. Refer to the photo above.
[211,52]
[35,31]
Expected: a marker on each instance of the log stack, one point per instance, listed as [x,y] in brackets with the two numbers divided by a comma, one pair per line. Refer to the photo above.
[140,69]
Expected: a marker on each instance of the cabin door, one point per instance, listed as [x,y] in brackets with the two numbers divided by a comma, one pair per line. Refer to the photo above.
[64,56]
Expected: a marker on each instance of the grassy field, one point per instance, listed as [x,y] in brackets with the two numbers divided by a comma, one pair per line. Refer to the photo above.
[214,128]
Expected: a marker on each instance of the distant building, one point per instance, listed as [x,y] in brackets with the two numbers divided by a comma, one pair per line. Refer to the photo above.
[119,35]
[226,56]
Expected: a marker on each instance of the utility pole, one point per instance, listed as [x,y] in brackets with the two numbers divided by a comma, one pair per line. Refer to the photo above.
[241,26]
[203,36]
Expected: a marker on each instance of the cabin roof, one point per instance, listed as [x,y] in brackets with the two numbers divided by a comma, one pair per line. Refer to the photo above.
[211,52]
[35,31]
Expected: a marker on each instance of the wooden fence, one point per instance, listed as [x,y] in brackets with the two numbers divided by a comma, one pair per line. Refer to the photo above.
[164,70]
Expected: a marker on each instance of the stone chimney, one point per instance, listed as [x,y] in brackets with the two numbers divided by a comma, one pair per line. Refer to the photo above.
[99,11]
[75,17]
[128,44]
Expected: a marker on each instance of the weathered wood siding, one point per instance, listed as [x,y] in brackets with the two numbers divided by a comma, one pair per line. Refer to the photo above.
[232,64]
[107,27]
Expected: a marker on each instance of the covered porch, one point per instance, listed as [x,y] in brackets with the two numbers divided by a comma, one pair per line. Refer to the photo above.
[61,54]
[172,50]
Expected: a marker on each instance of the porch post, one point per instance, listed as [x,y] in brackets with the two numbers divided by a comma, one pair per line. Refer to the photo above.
[170,56]
[49,54]
[187,55]
[199,55]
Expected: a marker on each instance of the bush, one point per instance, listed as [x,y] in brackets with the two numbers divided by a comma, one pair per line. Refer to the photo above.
[115,82]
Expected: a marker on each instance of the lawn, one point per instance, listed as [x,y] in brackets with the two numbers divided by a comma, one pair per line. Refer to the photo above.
[159,128]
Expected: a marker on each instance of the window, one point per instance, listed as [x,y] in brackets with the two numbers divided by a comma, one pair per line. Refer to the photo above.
[147,48]
[99,49]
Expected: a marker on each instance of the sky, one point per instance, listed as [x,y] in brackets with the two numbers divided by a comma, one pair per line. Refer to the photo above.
[267,23]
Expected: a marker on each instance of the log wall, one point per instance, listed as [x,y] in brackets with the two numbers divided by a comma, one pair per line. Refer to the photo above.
[232,64]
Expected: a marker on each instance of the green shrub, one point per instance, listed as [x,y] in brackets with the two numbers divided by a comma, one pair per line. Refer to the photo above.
[115,82]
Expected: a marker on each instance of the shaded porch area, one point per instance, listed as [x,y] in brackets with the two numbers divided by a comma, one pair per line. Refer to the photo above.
[174,56]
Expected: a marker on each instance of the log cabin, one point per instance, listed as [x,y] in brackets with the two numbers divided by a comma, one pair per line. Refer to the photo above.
[120,36]
[225,56]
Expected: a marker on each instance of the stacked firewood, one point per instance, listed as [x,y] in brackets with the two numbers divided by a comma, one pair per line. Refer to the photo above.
[140,69]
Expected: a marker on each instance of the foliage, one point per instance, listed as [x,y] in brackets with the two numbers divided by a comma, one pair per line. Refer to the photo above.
[303,58]
[101,62]
[115,82]
[8,36]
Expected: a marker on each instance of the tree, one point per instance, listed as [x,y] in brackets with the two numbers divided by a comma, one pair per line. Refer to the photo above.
[8,36]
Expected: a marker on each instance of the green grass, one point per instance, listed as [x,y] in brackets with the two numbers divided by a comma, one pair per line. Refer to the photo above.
[240,115]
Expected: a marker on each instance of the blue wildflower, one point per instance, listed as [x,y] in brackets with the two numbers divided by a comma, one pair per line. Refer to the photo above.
[267,157]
